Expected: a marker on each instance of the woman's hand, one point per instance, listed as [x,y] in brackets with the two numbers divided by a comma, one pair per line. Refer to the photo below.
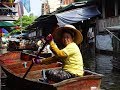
[36,61]
[49,38]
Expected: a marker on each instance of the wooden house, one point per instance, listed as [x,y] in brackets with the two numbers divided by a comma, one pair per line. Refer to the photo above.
[110,12]
[109,24]
[8,10]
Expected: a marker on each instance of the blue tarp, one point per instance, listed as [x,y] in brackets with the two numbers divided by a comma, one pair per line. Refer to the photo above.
[76,15]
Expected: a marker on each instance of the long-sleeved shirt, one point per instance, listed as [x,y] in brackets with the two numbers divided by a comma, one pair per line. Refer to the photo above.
[70,56]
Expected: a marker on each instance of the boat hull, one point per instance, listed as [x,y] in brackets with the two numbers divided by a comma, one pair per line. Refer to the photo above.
[18,83]
[86,82]
[15,71]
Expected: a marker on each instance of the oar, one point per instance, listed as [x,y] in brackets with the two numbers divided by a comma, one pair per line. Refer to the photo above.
[35,59]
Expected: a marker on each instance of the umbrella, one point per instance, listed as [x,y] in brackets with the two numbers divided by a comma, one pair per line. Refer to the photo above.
[6,24]
[3,32]
[22,35]
[14,39]
[19,35]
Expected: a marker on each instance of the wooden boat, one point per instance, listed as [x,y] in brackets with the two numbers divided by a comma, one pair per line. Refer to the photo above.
[12,65]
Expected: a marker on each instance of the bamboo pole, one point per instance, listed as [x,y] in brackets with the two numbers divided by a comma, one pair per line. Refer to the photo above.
[113,34]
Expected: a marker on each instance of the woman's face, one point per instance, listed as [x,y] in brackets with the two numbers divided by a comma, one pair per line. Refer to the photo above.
[67,39]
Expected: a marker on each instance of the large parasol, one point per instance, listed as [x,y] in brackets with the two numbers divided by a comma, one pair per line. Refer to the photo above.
[3,32]
[6,24]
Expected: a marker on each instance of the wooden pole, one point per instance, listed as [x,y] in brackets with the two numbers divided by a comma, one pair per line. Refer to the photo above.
[35,58]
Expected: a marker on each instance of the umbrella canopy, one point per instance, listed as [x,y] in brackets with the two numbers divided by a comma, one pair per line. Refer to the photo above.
[6,24]
[19,35]
[14,39]
[3,32]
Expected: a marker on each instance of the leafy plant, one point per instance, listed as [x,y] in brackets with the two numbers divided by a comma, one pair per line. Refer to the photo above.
[24,22]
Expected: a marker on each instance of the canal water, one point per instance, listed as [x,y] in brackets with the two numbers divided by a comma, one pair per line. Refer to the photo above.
[102,65]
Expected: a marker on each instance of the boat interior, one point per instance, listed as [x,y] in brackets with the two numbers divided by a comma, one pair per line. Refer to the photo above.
[17,63]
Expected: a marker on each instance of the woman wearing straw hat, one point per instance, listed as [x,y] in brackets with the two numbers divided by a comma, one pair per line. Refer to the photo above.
[70,55]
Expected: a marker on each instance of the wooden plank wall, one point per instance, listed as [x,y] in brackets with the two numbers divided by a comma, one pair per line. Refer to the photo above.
[103,23]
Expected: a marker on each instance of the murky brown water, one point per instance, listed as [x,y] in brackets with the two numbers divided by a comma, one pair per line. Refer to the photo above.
[100,64]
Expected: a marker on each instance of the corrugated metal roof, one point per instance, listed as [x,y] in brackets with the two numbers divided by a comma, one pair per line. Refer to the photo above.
[43,20]
[72,6]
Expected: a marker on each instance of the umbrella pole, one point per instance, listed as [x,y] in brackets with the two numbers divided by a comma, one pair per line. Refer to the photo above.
[21,25]
[0,42]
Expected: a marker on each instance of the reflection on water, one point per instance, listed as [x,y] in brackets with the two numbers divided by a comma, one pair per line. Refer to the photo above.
[101,64]
[111,79]
[104,66]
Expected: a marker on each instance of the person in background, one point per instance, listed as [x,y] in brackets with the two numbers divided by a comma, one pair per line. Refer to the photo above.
[70,55]
[91,41]
[91,37]
[40,43]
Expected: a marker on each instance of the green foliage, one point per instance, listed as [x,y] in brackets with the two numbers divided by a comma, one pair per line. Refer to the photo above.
[24,22]
[14,32]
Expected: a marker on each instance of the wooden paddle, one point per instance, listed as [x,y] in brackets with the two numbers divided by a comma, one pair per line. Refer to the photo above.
[35,59]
